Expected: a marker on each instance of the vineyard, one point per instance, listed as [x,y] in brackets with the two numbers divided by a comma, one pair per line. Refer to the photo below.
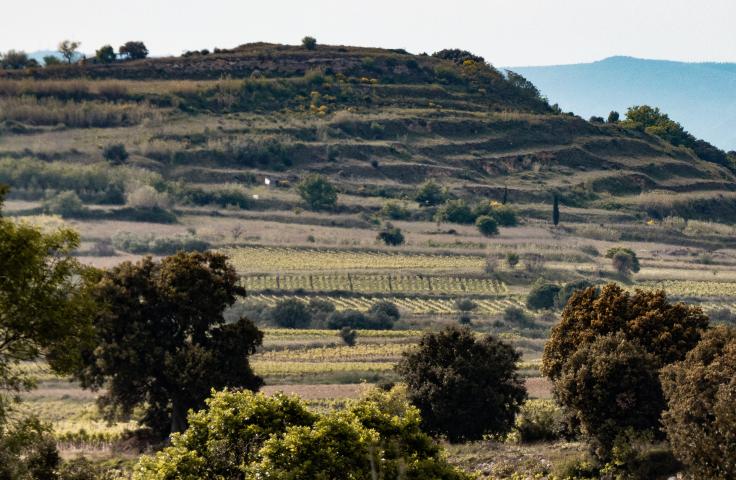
[693,288]
[418,306]
[277,259]
[303,354]
[372,283]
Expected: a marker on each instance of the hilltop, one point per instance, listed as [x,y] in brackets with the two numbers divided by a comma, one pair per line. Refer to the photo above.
[701,96]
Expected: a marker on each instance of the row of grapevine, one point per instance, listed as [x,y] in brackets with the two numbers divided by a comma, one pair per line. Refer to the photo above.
[278,259]
[368,283]
[413,305]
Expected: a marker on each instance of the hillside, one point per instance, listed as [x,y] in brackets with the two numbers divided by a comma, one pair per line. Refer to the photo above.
[376,121]
[701,96]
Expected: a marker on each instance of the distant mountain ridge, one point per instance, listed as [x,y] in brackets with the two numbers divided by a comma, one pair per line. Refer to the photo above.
[700,96]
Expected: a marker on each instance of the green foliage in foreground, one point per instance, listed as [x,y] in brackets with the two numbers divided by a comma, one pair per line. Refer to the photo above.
[251,436]
[45,309]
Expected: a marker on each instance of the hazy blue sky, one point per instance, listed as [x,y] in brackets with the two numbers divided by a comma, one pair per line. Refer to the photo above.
[506,32]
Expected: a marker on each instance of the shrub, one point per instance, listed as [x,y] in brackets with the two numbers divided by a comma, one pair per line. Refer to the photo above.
[667,331]
[318,192]
[360,320]
[512,259]
[349,336]
[542,295]
[539,421]
[430,194]
[450,367]
[320,310]
[611,386]
[504,215]
[624,260]
[67,204]
[518,317]
[564,294]
[465,305]
[291,313]
[395,211]
[310,43]
[487,226]
[147,197]
[700,420]
[130,242]
[28,451]
[242,435]
[385,309]
[613,117]
[455,211]
[391,235]
[116,154]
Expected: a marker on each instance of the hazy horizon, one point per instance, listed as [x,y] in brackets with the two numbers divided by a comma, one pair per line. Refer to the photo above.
[504,32]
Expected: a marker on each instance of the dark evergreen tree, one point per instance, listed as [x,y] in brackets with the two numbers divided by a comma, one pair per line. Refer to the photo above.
[555,211]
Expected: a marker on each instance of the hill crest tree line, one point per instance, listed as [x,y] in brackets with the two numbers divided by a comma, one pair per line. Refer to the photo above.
[625,366]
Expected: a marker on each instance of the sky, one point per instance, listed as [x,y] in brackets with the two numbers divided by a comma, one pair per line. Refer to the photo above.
[505,32]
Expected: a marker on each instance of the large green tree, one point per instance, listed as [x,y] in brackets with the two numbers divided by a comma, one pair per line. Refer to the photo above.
[45,306]
[162,342]
[463,386]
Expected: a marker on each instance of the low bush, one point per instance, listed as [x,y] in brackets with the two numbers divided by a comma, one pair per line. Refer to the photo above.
[391,235]
[517,317]
[116,154]
[539,421]
[67,204]
[395,211]
[359,320]
[455,211]
[542,295]
[129,242]
[487,226]
[624,260]
[291,313]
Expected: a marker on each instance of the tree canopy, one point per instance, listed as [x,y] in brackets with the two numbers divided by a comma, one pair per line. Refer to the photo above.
[162,342]
[463,386]
[666,330]
[45,309]
[700,420]
[251,436]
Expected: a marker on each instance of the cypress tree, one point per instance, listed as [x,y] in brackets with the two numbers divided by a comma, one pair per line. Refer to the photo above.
[505,195]
[555,211]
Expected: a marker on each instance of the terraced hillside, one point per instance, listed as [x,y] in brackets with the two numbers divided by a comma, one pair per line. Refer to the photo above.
[378,122]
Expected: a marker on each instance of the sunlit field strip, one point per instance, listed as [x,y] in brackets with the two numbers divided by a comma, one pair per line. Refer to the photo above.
[374,283]
[269,367]
[277,259]
[295,332]
[442,306]
[693,288]
[357,353]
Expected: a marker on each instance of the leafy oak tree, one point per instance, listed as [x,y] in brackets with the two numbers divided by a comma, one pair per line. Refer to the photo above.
[45,306]
[611,385]
[162,342]
[463,386]
[666,330]
[700,420]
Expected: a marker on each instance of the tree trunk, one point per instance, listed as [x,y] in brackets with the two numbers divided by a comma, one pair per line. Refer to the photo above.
[178,417]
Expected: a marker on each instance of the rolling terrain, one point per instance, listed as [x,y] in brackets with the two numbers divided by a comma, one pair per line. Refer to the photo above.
[207,151]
